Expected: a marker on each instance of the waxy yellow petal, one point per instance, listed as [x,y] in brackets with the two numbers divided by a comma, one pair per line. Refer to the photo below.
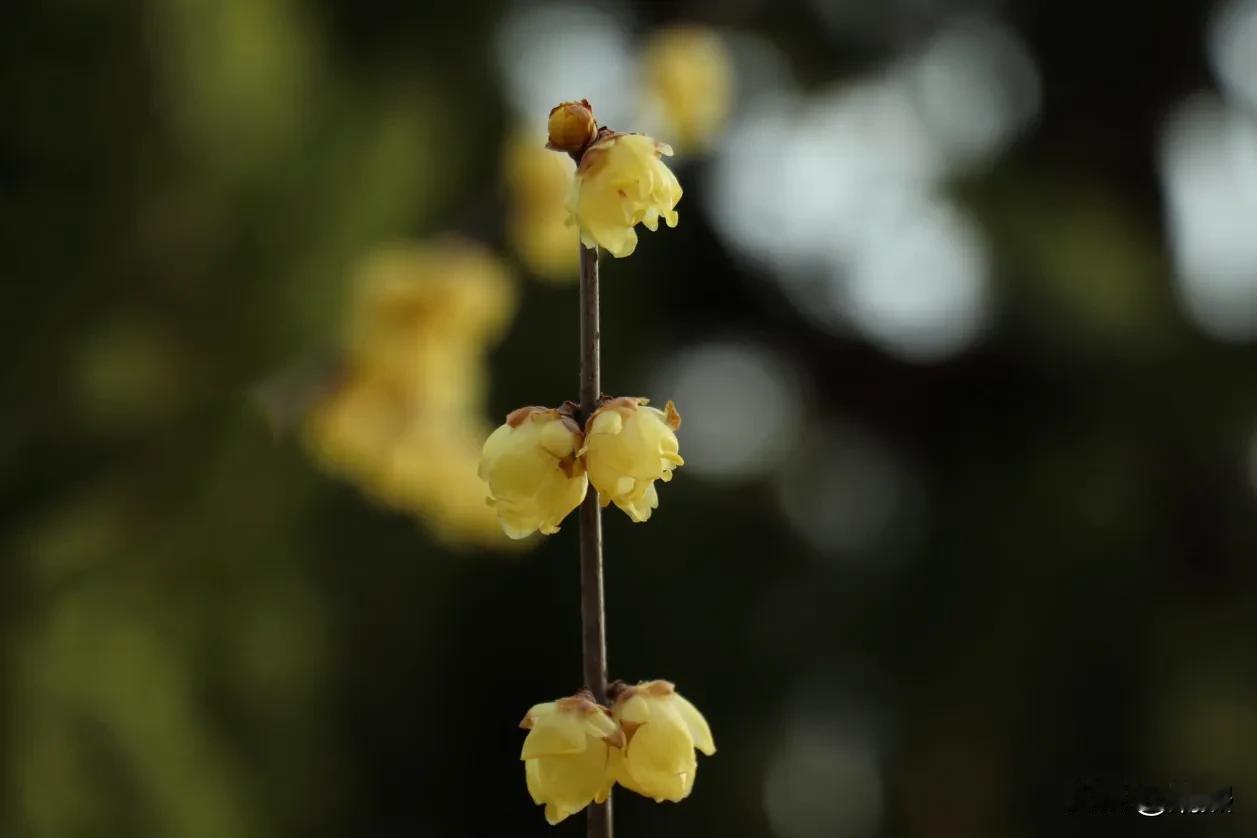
[566,754]
[533,474]
[628,446]
[699,729]
[621,182]
[662,730]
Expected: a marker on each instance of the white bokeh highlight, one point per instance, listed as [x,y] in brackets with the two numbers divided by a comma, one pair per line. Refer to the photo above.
[1208,167]
[824,780]
[839,195]
[738,402]
[977,88]
[850,495]
[557,52]
[1233,49]
[918,286]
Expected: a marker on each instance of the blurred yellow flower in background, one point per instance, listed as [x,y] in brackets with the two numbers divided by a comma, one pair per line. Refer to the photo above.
[433,472]
[566,754]
[628,446]
[661,729]
[403,418]
[688,83]
[425,314]
[621,182]
[537,184]
[535,478]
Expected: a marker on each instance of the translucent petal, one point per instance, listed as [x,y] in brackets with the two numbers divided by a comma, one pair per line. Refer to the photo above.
[571,781]
[698,727]
[556,734]
[601,726]
[532,778]
[659,756]
[636,709]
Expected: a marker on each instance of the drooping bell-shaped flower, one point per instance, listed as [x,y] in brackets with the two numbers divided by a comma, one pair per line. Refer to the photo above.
[567,754]
[628,446]
[621,182]
[661,729]
[534,474]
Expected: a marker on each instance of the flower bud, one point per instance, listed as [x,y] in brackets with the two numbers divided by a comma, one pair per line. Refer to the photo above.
[628,446]
[566,754]
[621,182]
[572,127]
[534,474]
[661,731]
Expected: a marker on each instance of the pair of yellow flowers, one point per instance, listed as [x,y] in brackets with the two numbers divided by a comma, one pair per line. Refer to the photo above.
[576,749]
[539,464]
[621,180]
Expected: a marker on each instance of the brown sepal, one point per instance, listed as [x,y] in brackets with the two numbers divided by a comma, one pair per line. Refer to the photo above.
[671,416]
[619,739]
[659,688]
[517,416]
[629,729]
[568,413]
[615,688]
[582,700]
[584,160]
[606,402]
[568,465]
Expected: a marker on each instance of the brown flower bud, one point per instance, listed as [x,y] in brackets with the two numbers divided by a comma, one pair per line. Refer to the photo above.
[572,127]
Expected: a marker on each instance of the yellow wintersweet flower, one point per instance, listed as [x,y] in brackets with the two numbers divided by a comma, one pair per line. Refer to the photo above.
[426,312]
[353,428]
[402,414]
[621,182]
[534,474]
[661,729]
[378,435]
[566,754]
[628,446]
[689,81]
[537,182]
[433,473]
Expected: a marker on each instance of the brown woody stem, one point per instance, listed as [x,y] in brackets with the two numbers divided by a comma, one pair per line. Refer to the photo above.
[592,612]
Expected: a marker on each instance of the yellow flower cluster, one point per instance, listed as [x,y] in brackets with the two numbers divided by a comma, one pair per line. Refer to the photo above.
[688,88]
[403,419]
[576,749]
[539,464]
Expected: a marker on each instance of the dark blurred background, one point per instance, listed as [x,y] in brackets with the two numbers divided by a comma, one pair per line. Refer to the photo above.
[960,313]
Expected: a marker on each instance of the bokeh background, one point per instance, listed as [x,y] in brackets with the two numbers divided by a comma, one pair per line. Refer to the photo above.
[960,313]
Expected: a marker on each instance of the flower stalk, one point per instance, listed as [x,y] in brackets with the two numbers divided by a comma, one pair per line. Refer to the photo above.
[592,608]
[545,462]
